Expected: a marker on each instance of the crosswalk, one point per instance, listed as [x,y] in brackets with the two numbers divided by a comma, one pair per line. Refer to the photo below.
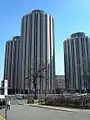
[1,117]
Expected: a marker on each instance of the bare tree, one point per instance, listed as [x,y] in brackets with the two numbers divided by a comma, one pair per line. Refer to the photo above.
[86,76]
[35,74]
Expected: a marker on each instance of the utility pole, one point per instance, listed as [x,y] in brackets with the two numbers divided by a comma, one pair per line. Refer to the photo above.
[5,93]
[5,107]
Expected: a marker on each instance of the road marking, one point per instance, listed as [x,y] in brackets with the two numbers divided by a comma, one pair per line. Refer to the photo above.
[1,117]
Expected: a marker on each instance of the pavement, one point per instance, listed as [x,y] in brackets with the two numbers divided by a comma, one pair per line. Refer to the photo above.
[28,112]
[21,111]
[24,102]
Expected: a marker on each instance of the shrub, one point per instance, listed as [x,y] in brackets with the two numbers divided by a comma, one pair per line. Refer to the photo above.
[70,101]
[30,101]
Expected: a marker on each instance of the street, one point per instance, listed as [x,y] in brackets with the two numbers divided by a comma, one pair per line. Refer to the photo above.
[25,112]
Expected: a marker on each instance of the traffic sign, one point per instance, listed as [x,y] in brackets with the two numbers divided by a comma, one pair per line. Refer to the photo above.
[5,87]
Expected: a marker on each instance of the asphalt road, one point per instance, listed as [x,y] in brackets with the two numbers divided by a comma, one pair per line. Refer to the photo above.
[25,112]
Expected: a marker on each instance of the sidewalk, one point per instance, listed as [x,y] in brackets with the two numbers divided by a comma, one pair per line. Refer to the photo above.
[61,108]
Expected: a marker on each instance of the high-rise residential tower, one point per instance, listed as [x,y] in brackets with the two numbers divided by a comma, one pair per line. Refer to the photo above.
[11,64]
[37,47]
[77,61]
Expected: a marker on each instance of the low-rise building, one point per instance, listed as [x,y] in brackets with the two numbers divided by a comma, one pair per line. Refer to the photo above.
[60,81]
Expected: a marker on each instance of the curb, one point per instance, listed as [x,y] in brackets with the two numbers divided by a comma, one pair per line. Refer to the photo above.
[46,107]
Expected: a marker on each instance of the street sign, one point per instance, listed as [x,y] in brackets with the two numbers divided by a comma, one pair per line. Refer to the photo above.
[5,87]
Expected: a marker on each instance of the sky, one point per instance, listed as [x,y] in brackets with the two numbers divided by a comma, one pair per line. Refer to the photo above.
[69,16]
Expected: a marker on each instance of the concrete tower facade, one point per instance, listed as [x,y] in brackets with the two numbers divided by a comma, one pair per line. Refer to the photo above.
[36,48]
[77,61]
[11,63]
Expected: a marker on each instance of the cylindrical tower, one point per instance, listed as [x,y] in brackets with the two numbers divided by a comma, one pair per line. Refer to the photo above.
[11,64]
[77,61]
[37,47]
